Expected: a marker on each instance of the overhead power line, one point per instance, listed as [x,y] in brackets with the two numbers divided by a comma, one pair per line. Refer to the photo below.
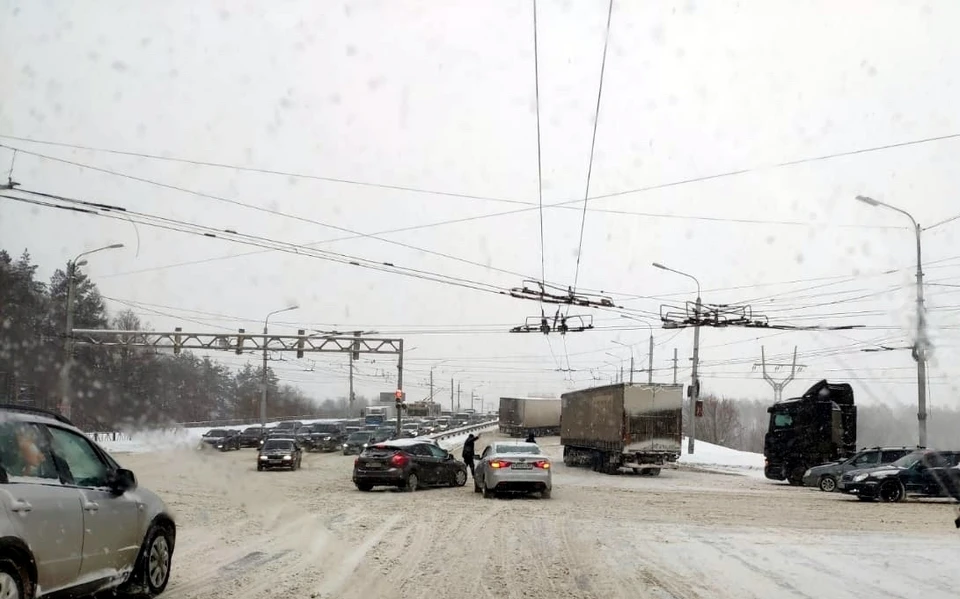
[264,171]
[116,212]
[593,145]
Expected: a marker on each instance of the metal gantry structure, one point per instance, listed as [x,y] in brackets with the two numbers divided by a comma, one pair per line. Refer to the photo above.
[241,341]
[778,386]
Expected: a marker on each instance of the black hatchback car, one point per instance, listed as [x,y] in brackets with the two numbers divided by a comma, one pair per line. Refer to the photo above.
[223,439]
[407,464]
[921,472]
[278,452]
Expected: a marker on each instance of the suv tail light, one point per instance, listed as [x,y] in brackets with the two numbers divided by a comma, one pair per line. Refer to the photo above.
[543,464]
[500,464]
[399,460]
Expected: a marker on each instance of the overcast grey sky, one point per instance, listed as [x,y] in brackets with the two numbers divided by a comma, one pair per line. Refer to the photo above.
[440,96]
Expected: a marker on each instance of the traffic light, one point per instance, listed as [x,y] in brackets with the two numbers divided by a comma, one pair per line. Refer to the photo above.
[399,400]
[698,410]
[301,333]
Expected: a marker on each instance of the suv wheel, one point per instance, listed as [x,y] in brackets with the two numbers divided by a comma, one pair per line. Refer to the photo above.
[891,491]
[827,484]
[152,572]
[13,580]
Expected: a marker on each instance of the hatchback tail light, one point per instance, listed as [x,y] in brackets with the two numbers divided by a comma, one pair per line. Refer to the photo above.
[399,460]
[500,464]
[543,464]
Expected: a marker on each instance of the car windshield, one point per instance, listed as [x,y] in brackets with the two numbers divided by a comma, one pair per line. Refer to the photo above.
[278,445]
[532,449]
[215,433]
[362,436]
[252,431]
[909,460]
[325,428]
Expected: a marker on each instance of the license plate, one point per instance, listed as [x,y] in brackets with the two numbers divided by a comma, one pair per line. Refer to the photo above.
[523,466]
[374,465]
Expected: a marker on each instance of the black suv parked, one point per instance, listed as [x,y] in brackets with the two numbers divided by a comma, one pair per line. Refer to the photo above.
[407,464]
[827,476]
[921,472]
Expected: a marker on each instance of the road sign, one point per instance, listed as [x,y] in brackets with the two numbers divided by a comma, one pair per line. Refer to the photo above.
[391,396]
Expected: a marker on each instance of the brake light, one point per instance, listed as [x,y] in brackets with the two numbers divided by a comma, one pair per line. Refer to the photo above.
[500,464]
[356,461]
[399,460]
[544,464]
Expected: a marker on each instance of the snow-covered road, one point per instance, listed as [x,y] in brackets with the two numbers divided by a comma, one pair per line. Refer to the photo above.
[684,534]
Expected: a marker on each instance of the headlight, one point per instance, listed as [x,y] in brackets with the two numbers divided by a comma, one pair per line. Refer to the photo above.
[364,445]
[344,445]
[807,473]
[286,457]
[220,446]
[860,477]
[263,457]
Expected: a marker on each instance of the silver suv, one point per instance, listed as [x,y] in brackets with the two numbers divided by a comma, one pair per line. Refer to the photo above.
[71,519]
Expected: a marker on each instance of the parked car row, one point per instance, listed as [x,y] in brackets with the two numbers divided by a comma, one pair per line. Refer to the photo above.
[890,474]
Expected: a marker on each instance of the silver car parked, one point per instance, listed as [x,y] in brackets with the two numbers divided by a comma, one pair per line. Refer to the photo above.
[71,519]
[513,467]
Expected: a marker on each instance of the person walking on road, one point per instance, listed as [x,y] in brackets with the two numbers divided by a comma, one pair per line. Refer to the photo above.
[468,452]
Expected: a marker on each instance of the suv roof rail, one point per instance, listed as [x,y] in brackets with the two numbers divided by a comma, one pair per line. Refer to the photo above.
[35,410]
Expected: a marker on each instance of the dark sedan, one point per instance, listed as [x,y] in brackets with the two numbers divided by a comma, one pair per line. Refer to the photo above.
[408,464]
[279,453]
[358,441]
[921,472]
[220,438]
[252,436]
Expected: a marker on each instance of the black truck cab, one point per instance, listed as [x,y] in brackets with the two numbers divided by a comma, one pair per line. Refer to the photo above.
[818,427]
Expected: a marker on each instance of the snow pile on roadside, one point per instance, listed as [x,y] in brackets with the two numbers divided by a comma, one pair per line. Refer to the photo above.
[716,457]
[156,440]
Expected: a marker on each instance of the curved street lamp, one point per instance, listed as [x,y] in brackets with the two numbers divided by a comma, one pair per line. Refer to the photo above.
[263,372]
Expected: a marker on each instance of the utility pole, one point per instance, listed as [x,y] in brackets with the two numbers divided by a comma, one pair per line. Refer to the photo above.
[631,368]
[674,366]
[921,344]
[695,390]
[458,397]
[263,372]
[451,395]
[694,383]
[649,362]
[400,402]
[66,400]
[350,397]
[431,384]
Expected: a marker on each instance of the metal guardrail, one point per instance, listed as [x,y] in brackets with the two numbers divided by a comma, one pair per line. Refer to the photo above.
[463,430]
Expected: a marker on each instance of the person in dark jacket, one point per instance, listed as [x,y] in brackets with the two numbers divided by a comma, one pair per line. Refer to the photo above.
[531,439]
[468,451]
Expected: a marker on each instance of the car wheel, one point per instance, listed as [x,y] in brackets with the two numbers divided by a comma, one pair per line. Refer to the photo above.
[891,491]
[828,484]
[14,581]
[413,482]
[365,487]
[152,571]
[460,478]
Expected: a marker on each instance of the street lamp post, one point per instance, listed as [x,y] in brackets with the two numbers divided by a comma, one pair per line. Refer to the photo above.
[920,344]
[649,351]
[695,383]
[263,372]
[66,407]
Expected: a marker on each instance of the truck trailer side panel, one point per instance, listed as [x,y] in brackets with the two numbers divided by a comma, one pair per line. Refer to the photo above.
[521,416]
[592,417]
[653,417]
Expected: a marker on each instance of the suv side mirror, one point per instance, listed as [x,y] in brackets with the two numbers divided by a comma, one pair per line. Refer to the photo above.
[122,480]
